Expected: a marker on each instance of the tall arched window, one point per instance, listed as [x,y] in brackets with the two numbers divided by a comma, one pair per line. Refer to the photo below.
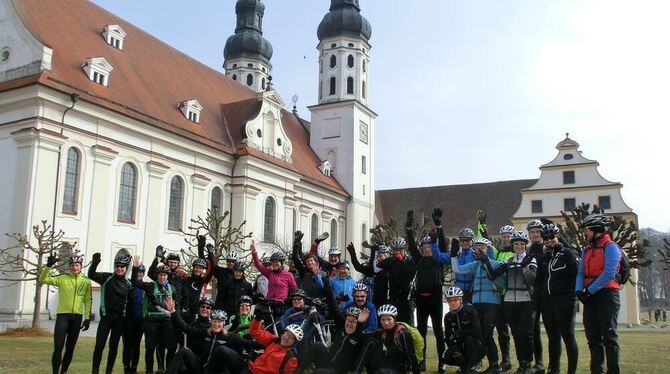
[364,232]
[250,79]
[263,83]
[176,203]
[350,86]
[364,90]
[315,227]
[333,234]
[350,61]
[127,193]
[269,221]
[364,66]
[332,85]
[333,61]
[71,187]
[217,201]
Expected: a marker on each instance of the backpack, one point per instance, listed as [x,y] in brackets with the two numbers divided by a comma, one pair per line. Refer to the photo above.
[623,274]
[417,339]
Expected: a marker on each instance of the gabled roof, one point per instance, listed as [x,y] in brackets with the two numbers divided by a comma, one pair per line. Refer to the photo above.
[149,81]
[458,202]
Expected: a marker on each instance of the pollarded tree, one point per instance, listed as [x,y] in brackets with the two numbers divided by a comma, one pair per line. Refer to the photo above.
[23,261]
[665,254]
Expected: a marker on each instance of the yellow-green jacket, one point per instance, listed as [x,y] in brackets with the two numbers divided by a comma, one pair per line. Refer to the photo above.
[74,292]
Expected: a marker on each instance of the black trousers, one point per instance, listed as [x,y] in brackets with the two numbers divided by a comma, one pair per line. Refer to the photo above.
[558,316]
[66,333]
[537,337]
[521,319]
[601,313]
[487,317]
[107,325]
[404,310]
[158,330]
[224,360]
[503,334]
[375,360]
[430,306]
[464,353]
[132,338]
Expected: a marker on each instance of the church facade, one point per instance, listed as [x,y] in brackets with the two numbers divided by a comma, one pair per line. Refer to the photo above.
[119,140]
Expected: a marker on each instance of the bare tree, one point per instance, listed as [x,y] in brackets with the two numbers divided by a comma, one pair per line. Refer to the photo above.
[24,261]
[665,254]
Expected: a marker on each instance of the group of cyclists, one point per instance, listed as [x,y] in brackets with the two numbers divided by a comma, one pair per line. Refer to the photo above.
[314,316]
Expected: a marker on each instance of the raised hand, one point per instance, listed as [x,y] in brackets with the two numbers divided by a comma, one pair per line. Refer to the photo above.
[52,259]
[351,249]
[160,252]
[137,261]
[409,223]
[97,258]
[170,304]
[437,217]
[365,314]
[297,237]
[202,241]
[455,246]
[252,247]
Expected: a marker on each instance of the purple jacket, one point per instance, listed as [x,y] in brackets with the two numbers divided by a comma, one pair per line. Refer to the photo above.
[280,283]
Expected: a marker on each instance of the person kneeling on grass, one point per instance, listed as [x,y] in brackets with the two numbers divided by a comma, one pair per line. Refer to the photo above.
[462,332]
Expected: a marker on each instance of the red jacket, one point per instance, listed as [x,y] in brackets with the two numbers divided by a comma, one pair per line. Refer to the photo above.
[273,355]
[594,263]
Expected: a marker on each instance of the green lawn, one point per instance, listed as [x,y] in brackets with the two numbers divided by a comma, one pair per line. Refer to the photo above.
[642,352]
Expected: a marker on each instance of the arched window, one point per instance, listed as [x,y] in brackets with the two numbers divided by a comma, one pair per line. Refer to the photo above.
[250,79]
[364,90]
[333,234]
[350,61]
[332,85]
[315,227]
[269,221]
[176,203]
[364,66]
[217,201]
[333,61]
[263,83]
[235,77]
[71,188]
[364,232]
[127,193]
[350,86]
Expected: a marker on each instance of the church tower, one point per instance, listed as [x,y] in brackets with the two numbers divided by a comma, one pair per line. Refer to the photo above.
[342,125]
[247,53]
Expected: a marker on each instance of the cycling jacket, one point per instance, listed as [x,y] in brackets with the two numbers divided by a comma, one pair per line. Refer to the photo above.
[74,292]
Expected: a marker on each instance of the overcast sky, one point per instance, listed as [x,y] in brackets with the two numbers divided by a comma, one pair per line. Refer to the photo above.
[476,91]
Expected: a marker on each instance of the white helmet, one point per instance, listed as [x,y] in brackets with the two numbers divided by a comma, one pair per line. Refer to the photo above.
[507,229]
[334,252]
[483,241]
[519,236]
[387,310]
[360,287]
[453,292]
[296,330]
[219,314]
[231,256]
[534,224]
[398,243]
[466,233]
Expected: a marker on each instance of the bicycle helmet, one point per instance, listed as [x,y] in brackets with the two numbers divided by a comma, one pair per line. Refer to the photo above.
[519,236]
[426,240]
[360,287]
[398,243]
[352,311]
[298,293]
[387,310]
[595,220]
[231,256]
[507,229]
[239,265]
[141,269]
[245,299]
[76,259]
[334,252]
[206,301]
[466,233]
[162,268]
[534,224]
[384,249]
[296,331]
[173,257]
[199,262]
[482,241]
[279,255]
[549,231]
[453,292]
[122,259]
[265,259]
[344,264]
[219,314]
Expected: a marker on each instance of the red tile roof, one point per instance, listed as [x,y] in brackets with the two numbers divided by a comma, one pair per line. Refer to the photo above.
[150,79]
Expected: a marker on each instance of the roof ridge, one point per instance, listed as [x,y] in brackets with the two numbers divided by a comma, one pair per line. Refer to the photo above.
[459,184]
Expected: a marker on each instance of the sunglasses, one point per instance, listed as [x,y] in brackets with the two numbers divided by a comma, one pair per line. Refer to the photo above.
[297,298]
[120,266]
[206,307]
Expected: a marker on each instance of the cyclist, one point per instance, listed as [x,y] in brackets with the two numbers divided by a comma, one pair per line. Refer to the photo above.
[556,275]
[536,251]
[115,295]
[380,287]
[195,286]
[237,287]
[240,322]
[464,281]
[504,254]
[133,327]
[401,272]
[224,278]
[175,274]
[74,305]
[391,348]
[462,333]
[297,313]
[361,302]
[261,284]
[278,355]
[342,285]
[309,270]
[334,256]
[597,288]
[280,280]
[190,325]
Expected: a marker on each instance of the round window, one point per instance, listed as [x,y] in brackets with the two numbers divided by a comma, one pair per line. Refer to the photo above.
[4,55]
[279,142]
[568,156]
[259,133]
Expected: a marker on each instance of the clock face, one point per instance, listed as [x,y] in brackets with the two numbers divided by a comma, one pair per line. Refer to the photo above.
[363,132]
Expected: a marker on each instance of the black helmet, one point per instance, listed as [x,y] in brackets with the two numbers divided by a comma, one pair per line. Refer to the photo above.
[162,268]
[173,257]
[299,293]
[245,299]
[549,231]
[239,265]
[200,262]
[122,259]
[141,269]
[206,301]
[596,220]
[279,255]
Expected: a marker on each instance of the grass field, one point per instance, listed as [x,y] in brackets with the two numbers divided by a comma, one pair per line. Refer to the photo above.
[641,352]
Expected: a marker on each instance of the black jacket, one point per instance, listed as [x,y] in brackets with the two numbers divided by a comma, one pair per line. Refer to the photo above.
[429,274]
[174,279]
[556,272]
[462,323]
[306,279]
[194,329]
[380,288]
[399,349]
[115,292]
[401,274]
[191,288]
[228,296]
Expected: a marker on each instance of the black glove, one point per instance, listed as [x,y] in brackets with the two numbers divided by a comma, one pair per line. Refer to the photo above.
[97,258]
[351,249]
[52,259]
[455,246]
[202,240]
[85,325]
[297,237]
[261,312]
[409,223]
[584,296]
[343,298]
[326,282]
[160,252]
[437,217]
[210,251]
[482,217]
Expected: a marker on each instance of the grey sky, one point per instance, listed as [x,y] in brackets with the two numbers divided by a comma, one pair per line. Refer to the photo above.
[476,91]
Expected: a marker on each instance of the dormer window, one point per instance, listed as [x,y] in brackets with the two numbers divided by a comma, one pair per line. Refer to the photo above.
[326,168]
[98,70]
[191,110]
[114,35]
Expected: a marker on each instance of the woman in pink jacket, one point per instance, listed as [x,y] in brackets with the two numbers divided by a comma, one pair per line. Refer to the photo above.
[280,281]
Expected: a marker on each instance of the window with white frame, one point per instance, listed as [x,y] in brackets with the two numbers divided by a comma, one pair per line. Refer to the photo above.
[114,36]
[176,204]
[98,70]
[217,201]
[191,110]
[127,193]
[333,233]
[71,188]
[269,221]
[315,227]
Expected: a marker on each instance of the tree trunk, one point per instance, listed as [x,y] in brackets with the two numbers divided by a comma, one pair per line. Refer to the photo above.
[38,304]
